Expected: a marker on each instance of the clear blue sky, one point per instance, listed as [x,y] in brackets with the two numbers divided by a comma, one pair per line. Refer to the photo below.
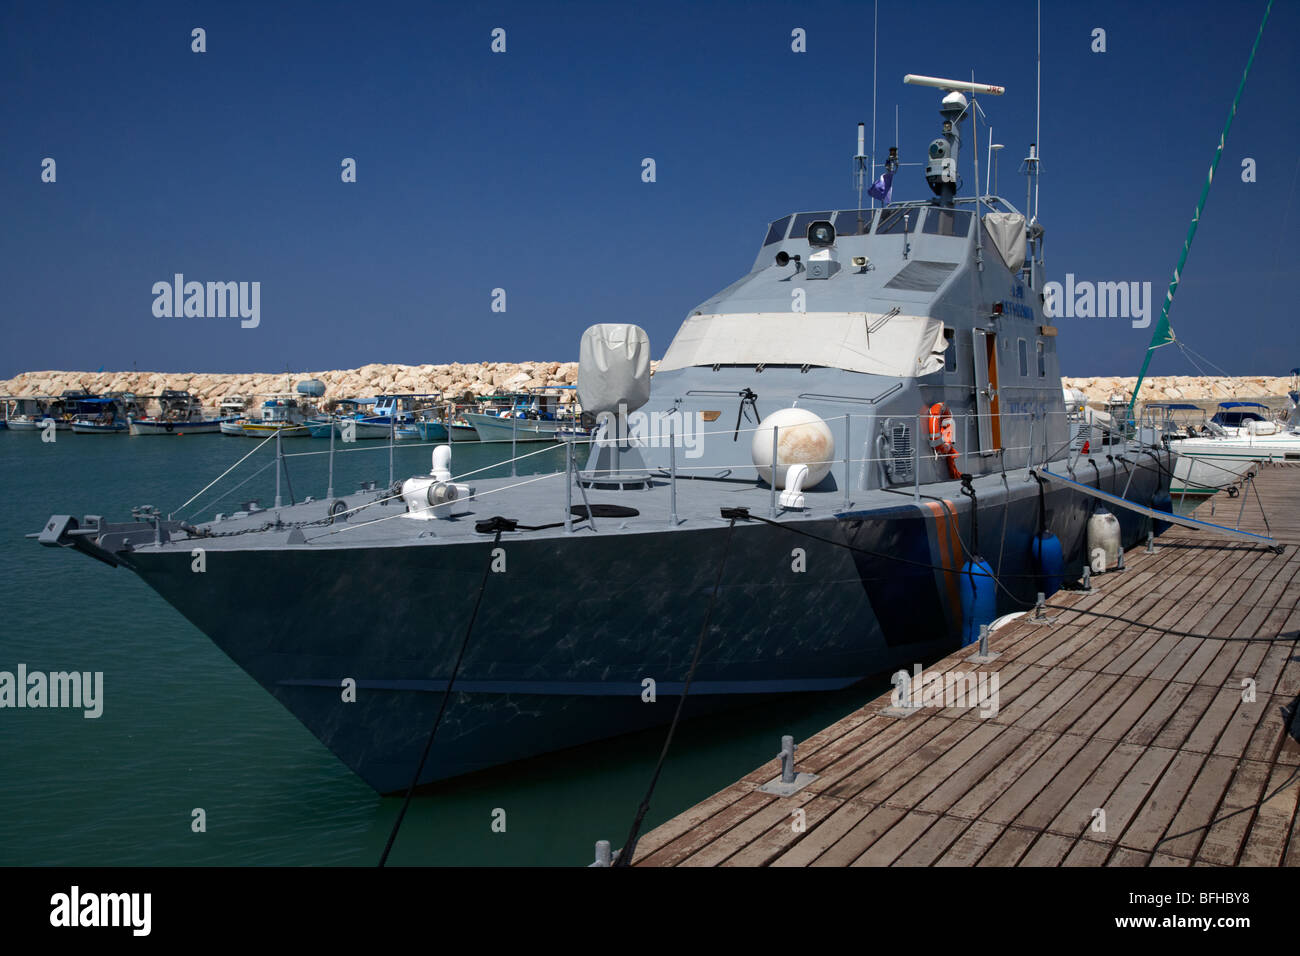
[522,170]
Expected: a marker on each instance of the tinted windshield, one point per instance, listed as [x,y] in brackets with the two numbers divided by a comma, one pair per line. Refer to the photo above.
[853,222]
[947,222]
[802,221]
[894,219]
[776,231]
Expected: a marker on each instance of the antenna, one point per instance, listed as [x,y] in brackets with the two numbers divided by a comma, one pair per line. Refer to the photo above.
[953,86]
[944,152]
[975,152]
[860,165]
[875,36]
[1038,103]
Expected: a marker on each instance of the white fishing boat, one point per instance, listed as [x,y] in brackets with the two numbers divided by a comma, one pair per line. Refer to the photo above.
[24,413]
[524,417]
[280,412]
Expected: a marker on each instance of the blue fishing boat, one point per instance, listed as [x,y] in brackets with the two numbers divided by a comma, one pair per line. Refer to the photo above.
[104,415]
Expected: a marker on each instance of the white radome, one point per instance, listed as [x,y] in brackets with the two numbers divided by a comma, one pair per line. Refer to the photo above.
[803,438]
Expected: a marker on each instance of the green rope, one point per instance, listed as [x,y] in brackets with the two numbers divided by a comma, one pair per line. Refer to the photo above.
[1164,333]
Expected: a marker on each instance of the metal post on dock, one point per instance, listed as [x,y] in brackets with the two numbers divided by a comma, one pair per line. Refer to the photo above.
[279,466]
[603,855]
[791,781]
[775,430]
[329,490]
[1151,541]
[848,443]
[672,473]
[514,428]
[1086,583]
[982,653]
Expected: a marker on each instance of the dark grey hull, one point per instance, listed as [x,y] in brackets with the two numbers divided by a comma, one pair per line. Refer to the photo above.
[566,635]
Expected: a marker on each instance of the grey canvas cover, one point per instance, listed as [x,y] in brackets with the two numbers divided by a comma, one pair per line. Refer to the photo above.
[613,368]
[1006,230]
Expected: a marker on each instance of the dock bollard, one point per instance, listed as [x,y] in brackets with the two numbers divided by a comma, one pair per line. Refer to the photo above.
[1151,542]
[603,855]
[791,782]
[787,759]
[982,653]
[1087,579]
[1120,565]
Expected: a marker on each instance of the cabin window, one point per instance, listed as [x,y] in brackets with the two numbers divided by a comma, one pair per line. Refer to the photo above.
[950,353]
[1023,350]
[776,232]
[853,222]
[805,219]
[947,222]
[1042,361]
[895,219]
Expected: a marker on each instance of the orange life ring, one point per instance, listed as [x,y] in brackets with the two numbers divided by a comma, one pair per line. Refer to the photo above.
[943,436]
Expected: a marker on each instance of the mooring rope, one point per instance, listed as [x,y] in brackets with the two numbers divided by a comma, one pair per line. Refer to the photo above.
[629,845]
[442,707]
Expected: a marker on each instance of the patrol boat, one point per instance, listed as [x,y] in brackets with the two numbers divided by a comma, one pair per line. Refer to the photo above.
[834,449]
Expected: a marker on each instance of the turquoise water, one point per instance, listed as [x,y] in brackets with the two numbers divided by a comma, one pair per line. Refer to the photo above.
[184,728]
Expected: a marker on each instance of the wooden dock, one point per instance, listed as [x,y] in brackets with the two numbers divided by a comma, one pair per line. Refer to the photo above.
[1114,743]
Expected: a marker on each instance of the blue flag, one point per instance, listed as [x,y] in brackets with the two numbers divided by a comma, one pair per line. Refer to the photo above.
[883,188]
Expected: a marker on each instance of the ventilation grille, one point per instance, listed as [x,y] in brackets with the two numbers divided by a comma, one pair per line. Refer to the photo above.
[900,450]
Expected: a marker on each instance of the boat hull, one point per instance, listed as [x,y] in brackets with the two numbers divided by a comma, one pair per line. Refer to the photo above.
[261,430]
[94,428]
[549,665]
[207,426]
[492,428]
[361,430]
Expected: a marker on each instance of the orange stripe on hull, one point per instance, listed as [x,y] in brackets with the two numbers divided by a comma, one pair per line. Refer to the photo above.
[945,524]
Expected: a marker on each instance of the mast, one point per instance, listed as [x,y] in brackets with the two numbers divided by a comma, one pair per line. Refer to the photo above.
[1164,333]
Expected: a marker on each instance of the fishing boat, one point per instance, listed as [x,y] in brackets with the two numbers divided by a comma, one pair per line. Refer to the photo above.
[448,423]
[61,410]
[24,413]
[104,415]
[350,421]
[525,417]
[799,499]
[280,412]
[179,413]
